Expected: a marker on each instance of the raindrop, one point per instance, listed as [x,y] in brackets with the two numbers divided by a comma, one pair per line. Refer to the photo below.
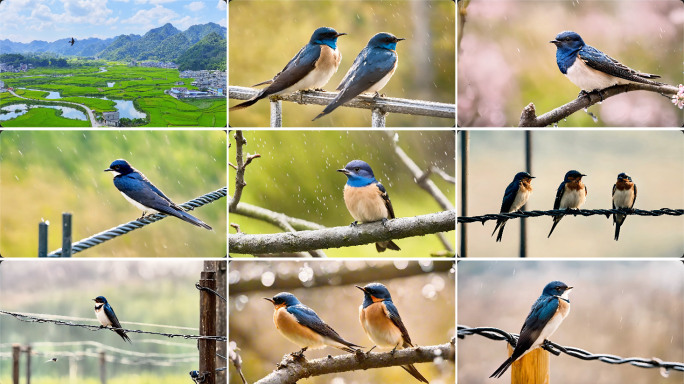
[268,278]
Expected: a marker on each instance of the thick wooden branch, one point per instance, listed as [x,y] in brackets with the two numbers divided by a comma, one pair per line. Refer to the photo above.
[528,118]
[292,369]
[343,236]
[385,104]
[340,277]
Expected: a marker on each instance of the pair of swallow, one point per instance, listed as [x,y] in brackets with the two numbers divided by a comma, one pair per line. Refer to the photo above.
[571,194]
[366,199]
[314,65]
[378,315]
[140,192]
[106,316]
[591,69]
[546,314]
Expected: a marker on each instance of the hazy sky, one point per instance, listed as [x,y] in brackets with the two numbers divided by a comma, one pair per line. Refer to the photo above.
[50,20]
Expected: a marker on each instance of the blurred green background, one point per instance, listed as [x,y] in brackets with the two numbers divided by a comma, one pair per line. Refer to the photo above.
[654,160]
[157,292]
[327,287]
[623,308]
[46,173]
[265,35]
[505,59]
[297,175]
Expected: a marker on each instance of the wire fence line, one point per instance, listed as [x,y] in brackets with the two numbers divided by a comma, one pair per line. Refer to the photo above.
[33,319]
[582,212]
[75,318]
[512,338]
[139,223]
[80,355]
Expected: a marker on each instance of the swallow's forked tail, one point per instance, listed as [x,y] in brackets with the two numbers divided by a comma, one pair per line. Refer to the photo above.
[411,369]
[383,245]
[502,369]
[499,223]
[192,220]
[556,220]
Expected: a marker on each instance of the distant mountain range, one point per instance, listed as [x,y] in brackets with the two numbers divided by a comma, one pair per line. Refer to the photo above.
[165,43]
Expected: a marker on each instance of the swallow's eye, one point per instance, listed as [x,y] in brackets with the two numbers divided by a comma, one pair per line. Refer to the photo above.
[357,169]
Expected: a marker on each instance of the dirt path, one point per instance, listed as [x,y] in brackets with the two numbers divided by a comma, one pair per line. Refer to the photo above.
[91,115]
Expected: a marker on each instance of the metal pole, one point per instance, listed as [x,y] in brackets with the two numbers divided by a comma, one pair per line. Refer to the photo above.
[276,114]
[528,168]
[378,118]
[42,239]
[465,153]
[66,234]
[16,353]
[207,348]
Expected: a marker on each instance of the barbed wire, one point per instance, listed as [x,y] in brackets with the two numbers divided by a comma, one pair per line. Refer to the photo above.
[75,318]
[574,212]
[556,349]
[139,223]
[80,355]
[201,288]
[33,319]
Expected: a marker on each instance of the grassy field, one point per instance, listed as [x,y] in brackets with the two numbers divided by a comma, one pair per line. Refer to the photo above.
[44,117]
[145,86]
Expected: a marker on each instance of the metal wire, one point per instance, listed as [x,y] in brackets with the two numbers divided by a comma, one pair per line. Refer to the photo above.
[139,223]
[201,288]
[33,319]
[556,349]
[574,212]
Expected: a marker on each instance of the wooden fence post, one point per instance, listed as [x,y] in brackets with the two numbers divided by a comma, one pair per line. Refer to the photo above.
[16,353]
[533,368]
[66,234]
[28,364]
[103,368]
[207,348]
[42,239]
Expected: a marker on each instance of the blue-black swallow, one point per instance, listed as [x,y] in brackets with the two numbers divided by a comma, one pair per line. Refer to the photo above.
[515,196]
[106,316]
[140,192]
[624,196]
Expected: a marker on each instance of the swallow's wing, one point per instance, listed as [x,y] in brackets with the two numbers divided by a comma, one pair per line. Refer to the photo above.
[614,188]
[509,196]
[634,199]
[542,311]
[385,197]
[393,315]
[559,195]
[141,190]
[375,65]
[354,68]
[308,318]
[112,316]
[606,64]
[298,67]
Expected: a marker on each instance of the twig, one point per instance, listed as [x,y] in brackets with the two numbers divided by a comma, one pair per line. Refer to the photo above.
[240,170]
[528,117]
[343,236]
[291,369]
[278,219]
[236,360]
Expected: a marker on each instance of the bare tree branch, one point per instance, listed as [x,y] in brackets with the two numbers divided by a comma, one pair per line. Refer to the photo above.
[343,236]
[240,169]
[341,277]
[291,369]
[236,360]
[278,219]
[528,117]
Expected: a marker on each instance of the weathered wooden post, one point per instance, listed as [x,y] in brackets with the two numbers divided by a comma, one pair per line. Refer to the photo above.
[66,234]
[207,348]
[533,368]
[378,118]
[103,368]
[16,353]
[28,364]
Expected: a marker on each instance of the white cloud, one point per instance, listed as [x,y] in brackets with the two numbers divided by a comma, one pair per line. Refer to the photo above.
[42,13]
[153,17]
[195,6]
[221,5]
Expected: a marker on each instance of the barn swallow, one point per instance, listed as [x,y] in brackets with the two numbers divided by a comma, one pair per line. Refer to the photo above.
[515,196]
[381,321]
[302,326]
[105,314]
[366,199]
[624,196]
[72,41]
[547,313]
[140,192]
[571,194]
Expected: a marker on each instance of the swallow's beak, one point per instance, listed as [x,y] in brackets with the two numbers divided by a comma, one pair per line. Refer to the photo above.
[108,170]
[555,42]
[340,34]
[582,174]
[400,39]
[343,171]
[568,288]
[532,177]
[364,291]
[271,300]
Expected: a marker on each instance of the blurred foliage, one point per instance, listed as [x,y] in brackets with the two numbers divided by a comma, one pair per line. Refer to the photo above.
[506,61]
[624,308]
[426,67]
[45,173]
[654,160]
[297,175]
[133,288]
[262,346]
